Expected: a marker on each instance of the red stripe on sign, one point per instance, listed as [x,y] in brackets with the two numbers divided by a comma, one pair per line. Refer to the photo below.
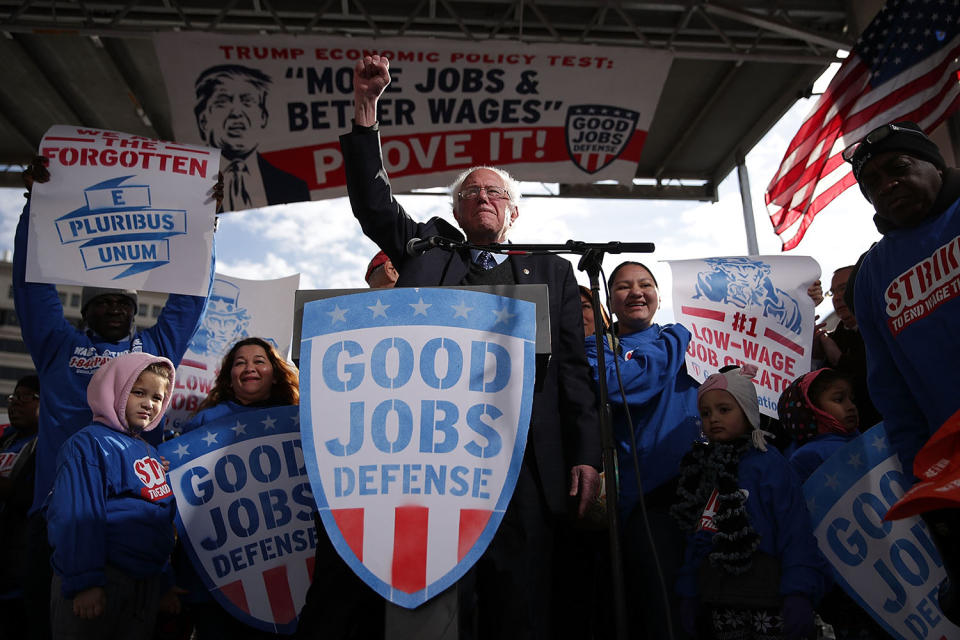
[311,563]
[278,591]
[350,523]
[785,341]
[235,594]
[196,364]
[472,522]
[409,572]
[697,312]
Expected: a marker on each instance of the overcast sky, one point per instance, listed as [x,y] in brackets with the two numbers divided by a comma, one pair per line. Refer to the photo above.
[322,241]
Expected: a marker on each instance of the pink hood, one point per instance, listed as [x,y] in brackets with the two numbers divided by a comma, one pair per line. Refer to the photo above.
[110,386]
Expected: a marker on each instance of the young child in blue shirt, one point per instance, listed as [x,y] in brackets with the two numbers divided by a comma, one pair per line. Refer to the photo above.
[110,513]
[819,415]
[752,569]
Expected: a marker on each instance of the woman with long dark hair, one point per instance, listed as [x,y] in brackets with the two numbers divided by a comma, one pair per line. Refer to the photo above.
[253,375]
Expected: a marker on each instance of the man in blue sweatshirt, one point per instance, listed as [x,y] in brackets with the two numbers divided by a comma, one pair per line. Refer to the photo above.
[907,300]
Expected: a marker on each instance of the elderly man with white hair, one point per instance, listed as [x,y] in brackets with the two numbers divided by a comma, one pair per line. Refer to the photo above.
[513,578]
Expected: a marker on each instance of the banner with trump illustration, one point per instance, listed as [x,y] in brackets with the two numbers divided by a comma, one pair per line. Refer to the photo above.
[415,406]
[123,211]
[275,105]
[747,310]
[245,514]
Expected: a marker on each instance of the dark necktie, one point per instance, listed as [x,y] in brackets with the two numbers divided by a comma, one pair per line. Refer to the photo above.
[238,198]
[485,260]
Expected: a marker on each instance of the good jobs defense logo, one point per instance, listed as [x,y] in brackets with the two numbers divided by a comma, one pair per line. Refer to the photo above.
[597,134]
[415,406]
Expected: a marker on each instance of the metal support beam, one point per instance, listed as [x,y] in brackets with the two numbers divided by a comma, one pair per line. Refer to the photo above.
[749,225]
[707,192]
[775,26]
[11,178]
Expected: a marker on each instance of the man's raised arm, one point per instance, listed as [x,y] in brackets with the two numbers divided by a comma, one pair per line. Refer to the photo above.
[370,78]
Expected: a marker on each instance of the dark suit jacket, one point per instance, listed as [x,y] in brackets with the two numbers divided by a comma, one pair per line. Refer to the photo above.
[563,427]
[279,186]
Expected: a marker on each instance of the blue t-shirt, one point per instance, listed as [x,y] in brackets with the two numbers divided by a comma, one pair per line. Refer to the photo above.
[907,296]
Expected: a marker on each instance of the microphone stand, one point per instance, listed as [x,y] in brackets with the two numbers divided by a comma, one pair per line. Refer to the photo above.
[591,261]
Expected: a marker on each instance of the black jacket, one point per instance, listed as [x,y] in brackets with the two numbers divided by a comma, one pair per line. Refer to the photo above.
[563,428]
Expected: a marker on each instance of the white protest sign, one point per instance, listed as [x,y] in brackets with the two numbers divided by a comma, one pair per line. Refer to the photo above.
[747,310]
[414,416]
[123,211]
[546,111]
[892,569]
[245,514]
[236,309]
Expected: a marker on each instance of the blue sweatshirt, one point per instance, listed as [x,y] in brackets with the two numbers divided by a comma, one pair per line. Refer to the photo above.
[814,452]
[778,513]
[907,297]
[66,357]
[110,504]
[663,405]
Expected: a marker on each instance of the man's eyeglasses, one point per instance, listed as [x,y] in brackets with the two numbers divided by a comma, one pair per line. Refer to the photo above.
[25,397]
[876,136]
[494,193]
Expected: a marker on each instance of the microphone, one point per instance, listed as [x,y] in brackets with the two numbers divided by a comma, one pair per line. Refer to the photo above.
[418,247]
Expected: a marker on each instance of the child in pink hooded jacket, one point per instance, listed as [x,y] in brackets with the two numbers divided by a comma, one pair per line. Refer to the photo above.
[110,513]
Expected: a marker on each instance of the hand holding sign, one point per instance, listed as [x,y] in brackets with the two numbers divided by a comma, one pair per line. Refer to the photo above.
[36,171]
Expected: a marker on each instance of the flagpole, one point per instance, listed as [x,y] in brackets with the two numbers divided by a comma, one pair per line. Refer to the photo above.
[749,224]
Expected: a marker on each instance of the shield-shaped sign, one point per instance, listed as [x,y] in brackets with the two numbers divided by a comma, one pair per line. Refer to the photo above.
[891,569]
[244,514]
[414,413]
[597,134]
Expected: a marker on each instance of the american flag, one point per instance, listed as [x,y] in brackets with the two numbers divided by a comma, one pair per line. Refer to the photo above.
[903,67]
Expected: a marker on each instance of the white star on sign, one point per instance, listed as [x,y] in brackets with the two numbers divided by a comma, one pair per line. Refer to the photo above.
[337,314]
[296,418]
[181,450]
[503,315]
[461,310]
[379,309]
[210,438]
[831,482]
[269,423]
[240,428]
[420,307]
[855,461]
[879,443]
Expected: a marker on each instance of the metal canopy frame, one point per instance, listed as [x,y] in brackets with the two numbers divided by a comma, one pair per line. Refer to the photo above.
[738,65]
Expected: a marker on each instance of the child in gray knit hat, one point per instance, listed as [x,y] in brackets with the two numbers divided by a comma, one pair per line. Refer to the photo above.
[753,570]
